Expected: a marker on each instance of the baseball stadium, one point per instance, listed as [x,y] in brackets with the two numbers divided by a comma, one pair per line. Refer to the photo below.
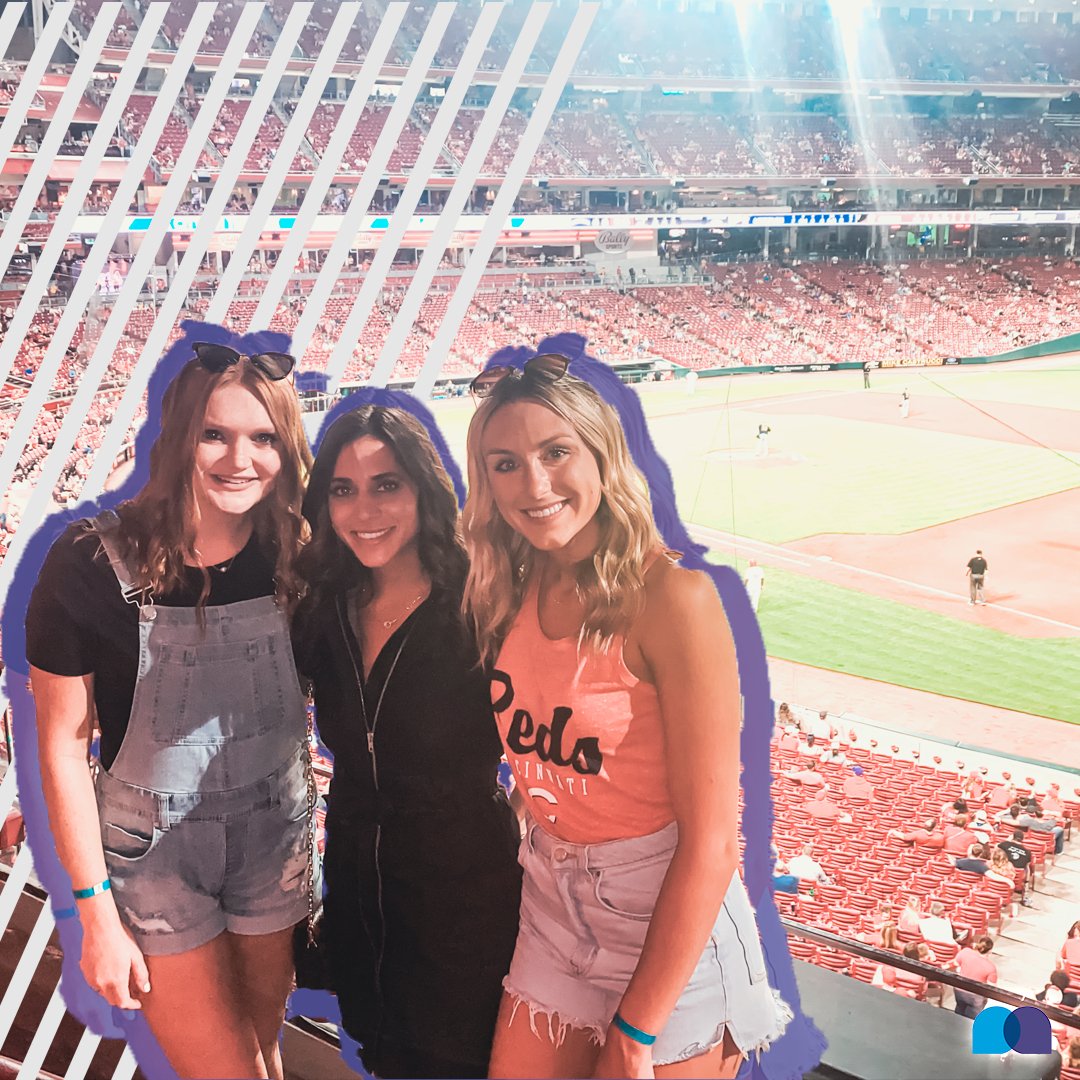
[832,247]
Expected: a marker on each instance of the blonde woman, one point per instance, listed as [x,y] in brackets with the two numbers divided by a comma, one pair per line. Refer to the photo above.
[1002,871]
[911,915]
[617,696]
[190,862]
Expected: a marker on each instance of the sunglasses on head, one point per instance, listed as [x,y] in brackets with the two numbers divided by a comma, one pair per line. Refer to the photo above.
[549,367]
[216,358]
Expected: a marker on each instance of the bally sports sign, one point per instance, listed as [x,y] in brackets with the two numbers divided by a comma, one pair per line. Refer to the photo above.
[613,241]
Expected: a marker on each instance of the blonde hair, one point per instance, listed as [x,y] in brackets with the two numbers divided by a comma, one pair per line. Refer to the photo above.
[157,526]
[1074,1050]
[889,938]
[612,583]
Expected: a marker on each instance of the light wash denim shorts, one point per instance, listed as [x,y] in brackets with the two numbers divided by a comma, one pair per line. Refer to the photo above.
[585,910]
[185,867]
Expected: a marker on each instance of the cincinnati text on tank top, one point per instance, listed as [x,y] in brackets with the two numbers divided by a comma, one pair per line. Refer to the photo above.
[582,733]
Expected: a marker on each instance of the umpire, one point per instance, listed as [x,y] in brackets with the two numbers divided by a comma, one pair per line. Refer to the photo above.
[976,570]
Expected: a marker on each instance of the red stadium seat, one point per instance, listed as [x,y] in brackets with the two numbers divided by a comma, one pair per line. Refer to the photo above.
[912,985]
[944,952]
[864,970]
[802,949]
[833,960]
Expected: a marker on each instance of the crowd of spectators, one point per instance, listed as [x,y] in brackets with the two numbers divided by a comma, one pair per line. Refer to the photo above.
[587,137]
[749,313]
[727,40]
[604,143]
[873,869]
[9,84]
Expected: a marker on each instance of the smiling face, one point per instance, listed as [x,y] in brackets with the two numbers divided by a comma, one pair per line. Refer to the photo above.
[374,509]
[237,457]
[544,479]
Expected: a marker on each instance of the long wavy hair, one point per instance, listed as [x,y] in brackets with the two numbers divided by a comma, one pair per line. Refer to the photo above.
[158,524]
[327,565]
[612,583]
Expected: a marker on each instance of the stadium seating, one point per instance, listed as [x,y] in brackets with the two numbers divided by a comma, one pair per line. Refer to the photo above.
[745,314]
[864,860]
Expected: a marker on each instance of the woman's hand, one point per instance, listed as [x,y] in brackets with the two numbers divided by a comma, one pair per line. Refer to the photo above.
[622,1056]
[112,964]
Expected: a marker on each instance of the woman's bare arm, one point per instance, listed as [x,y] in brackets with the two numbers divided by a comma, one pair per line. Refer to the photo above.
[65,720]
[685,640]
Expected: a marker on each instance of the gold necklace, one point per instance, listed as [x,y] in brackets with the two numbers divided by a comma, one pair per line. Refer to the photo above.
[553,595]
[388,623]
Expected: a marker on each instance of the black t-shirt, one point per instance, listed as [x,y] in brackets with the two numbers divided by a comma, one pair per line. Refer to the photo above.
[79,623]
[977,565]
[1018,855]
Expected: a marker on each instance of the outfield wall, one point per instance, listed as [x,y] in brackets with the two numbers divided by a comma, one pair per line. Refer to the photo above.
[1067,344]
[1054,347]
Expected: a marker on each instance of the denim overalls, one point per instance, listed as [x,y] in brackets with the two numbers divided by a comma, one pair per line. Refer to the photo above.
[205,810]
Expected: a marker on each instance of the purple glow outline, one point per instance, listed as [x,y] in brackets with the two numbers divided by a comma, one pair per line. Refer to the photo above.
[798,1051]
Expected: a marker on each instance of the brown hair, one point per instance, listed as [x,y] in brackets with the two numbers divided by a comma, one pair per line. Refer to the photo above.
[327,564]
[984,943]
[158,525]
[1074,1052]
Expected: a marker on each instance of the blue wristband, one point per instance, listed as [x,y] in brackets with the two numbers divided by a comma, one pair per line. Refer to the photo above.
[94,890]
[632,1032]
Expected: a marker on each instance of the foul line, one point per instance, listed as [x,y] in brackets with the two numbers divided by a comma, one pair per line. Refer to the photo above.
[778,553]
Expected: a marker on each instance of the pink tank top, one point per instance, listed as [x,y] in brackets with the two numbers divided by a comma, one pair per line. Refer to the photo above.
[583,735]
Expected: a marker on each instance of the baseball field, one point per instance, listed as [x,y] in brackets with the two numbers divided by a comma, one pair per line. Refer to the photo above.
[864,520]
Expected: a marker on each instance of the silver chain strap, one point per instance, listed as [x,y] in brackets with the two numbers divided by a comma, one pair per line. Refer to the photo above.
[313,799]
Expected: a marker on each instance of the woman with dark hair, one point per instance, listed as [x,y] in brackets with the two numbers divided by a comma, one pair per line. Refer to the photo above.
[423,886]
[164,623]
[1070,950]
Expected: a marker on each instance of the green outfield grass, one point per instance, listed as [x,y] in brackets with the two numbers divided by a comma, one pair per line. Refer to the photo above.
[1052,388]
[846,476]
[829,626]
[860,477]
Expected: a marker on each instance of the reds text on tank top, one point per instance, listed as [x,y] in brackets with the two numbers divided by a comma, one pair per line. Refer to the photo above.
[583,734]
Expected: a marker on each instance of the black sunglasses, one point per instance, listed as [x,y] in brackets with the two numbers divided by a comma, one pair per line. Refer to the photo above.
[548,367]
[216,358]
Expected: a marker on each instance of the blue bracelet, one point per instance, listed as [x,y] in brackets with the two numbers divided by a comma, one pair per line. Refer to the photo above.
[632,1032]
[94,890]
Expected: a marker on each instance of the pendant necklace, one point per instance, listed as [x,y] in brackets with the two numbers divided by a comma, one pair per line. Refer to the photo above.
[553,595]
[388,623]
